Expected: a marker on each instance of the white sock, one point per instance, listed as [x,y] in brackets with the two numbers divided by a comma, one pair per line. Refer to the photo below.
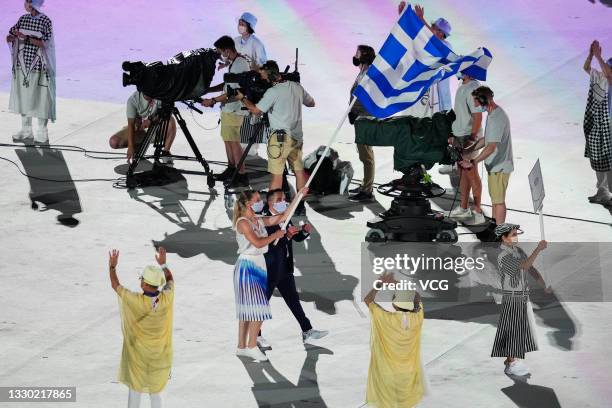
[156,401]
[26,122]
[134,399]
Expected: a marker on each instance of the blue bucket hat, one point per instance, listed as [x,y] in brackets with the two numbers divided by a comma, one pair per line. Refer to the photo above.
[443,25]
[37,4]
[249,18]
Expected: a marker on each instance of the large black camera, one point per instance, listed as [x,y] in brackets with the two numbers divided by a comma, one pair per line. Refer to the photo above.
[251,84]
[186,76]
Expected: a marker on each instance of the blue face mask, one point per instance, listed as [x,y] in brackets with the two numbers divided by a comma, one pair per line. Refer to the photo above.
[257,206]
[280,207]
[480,109]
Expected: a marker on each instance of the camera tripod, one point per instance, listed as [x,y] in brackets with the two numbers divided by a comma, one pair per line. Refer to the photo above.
[157,133]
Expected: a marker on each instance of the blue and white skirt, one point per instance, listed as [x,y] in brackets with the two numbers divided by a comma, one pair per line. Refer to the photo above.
[250,287]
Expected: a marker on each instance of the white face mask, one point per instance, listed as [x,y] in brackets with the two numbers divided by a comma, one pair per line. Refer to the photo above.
[257,206]
[281,206]
[480,109]
[514,240]
[242,29]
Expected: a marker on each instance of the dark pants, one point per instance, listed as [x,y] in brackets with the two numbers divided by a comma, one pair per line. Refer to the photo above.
[287,289]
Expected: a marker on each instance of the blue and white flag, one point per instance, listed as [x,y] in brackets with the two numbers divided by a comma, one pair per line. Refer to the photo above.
[409,62]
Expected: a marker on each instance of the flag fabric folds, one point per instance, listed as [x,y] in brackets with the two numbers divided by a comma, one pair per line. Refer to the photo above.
[408,63]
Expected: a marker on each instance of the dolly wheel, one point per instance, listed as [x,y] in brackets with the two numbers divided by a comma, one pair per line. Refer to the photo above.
[447,236]
[375,235]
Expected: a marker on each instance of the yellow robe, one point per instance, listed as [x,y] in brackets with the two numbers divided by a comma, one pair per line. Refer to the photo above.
[146,357]
[395,377]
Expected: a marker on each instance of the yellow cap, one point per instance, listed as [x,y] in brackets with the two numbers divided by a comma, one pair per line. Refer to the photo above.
[404,299]
[154,276]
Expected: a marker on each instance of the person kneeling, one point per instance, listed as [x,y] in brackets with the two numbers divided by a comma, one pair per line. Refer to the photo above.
[141,110]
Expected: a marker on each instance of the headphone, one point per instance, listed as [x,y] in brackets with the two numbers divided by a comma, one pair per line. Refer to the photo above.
[482,98]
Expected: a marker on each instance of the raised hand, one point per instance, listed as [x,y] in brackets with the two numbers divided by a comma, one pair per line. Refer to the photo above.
[542,245]
[400,7]
[113,258]
[420,12]
[160,255]
[307,228]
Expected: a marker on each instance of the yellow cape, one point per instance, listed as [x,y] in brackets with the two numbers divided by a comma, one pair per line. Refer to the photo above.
[146,357]
[395,377]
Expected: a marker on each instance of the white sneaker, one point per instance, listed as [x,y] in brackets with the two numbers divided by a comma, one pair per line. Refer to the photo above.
[256,354]
[42,136]
[446,169]
[312,334]
[517,367]
[241,352]
[478,219]
[263,343]
[23,134]
[461,213]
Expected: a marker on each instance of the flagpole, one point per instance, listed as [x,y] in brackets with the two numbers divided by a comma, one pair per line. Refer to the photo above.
[311,177]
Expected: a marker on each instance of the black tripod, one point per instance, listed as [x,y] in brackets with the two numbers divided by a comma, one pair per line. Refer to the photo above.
[157,133]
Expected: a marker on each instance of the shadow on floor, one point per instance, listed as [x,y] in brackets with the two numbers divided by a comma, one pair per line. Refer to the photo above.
[526,395]
[49,164]
[272,389]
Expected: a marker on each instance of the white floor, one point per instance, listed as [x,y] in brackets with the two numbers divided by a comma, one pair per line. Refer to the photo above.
[59,321]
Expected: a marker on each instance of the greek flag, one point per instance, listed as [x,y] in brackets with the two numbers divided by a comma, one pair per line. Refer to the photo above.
[409,62]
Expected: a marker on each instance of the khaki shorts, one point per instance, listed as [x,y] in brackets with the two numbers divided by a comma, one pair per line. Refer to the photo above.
[498,184]
[122,136]
[230,126]
[278,155]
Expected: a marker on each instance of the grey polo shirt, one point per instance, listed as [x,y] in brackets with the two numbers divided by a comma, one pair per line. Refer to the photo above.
[238,66]
[283,103]
[498,131]
[138,107]
[464,108]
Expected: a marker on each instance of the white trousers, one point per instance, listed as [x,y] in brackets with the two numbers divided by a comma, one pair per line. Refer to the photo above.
[134,400]
[604,182]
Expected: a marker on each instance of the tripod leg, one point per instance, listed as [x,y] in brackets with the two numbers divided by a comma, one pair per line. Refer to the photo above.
[142,149]
[243,158]
[192,144]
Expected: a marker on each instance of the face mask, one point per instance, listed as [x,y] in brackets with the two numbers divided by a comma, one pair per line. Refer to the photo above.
[257,206]
[480,109]
[280,207]
[242,29]
[514,240]
[356,61]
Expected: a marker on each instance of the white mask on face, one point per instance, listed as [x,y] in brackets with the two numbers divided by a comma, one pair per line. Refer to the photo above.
[514,240]
[242,29]
[280,207]
[480,109]
[257,206]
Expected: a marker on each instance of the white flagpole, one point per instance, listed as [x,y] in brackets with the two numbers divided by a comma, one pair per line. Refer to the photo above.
[541,214]
[331,141]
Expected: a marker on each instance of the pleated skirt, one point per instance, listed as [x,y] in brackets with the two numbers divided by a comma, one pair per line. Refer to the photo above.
[250,288]
[258,131]
[515,335]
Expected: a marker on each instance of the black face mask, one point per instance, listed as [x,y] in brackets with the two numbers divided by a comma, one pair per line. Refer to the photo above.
[356,61]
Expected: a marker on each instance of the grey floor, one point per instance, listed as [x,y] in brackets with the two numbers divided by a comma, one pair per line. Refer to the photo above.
[59,322]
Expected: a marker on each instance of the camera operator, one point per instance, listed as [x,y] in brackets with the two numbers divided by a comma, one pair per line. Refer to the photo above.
[232,114]
[283,103]
[497,152]
[140,111]
[363,58]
